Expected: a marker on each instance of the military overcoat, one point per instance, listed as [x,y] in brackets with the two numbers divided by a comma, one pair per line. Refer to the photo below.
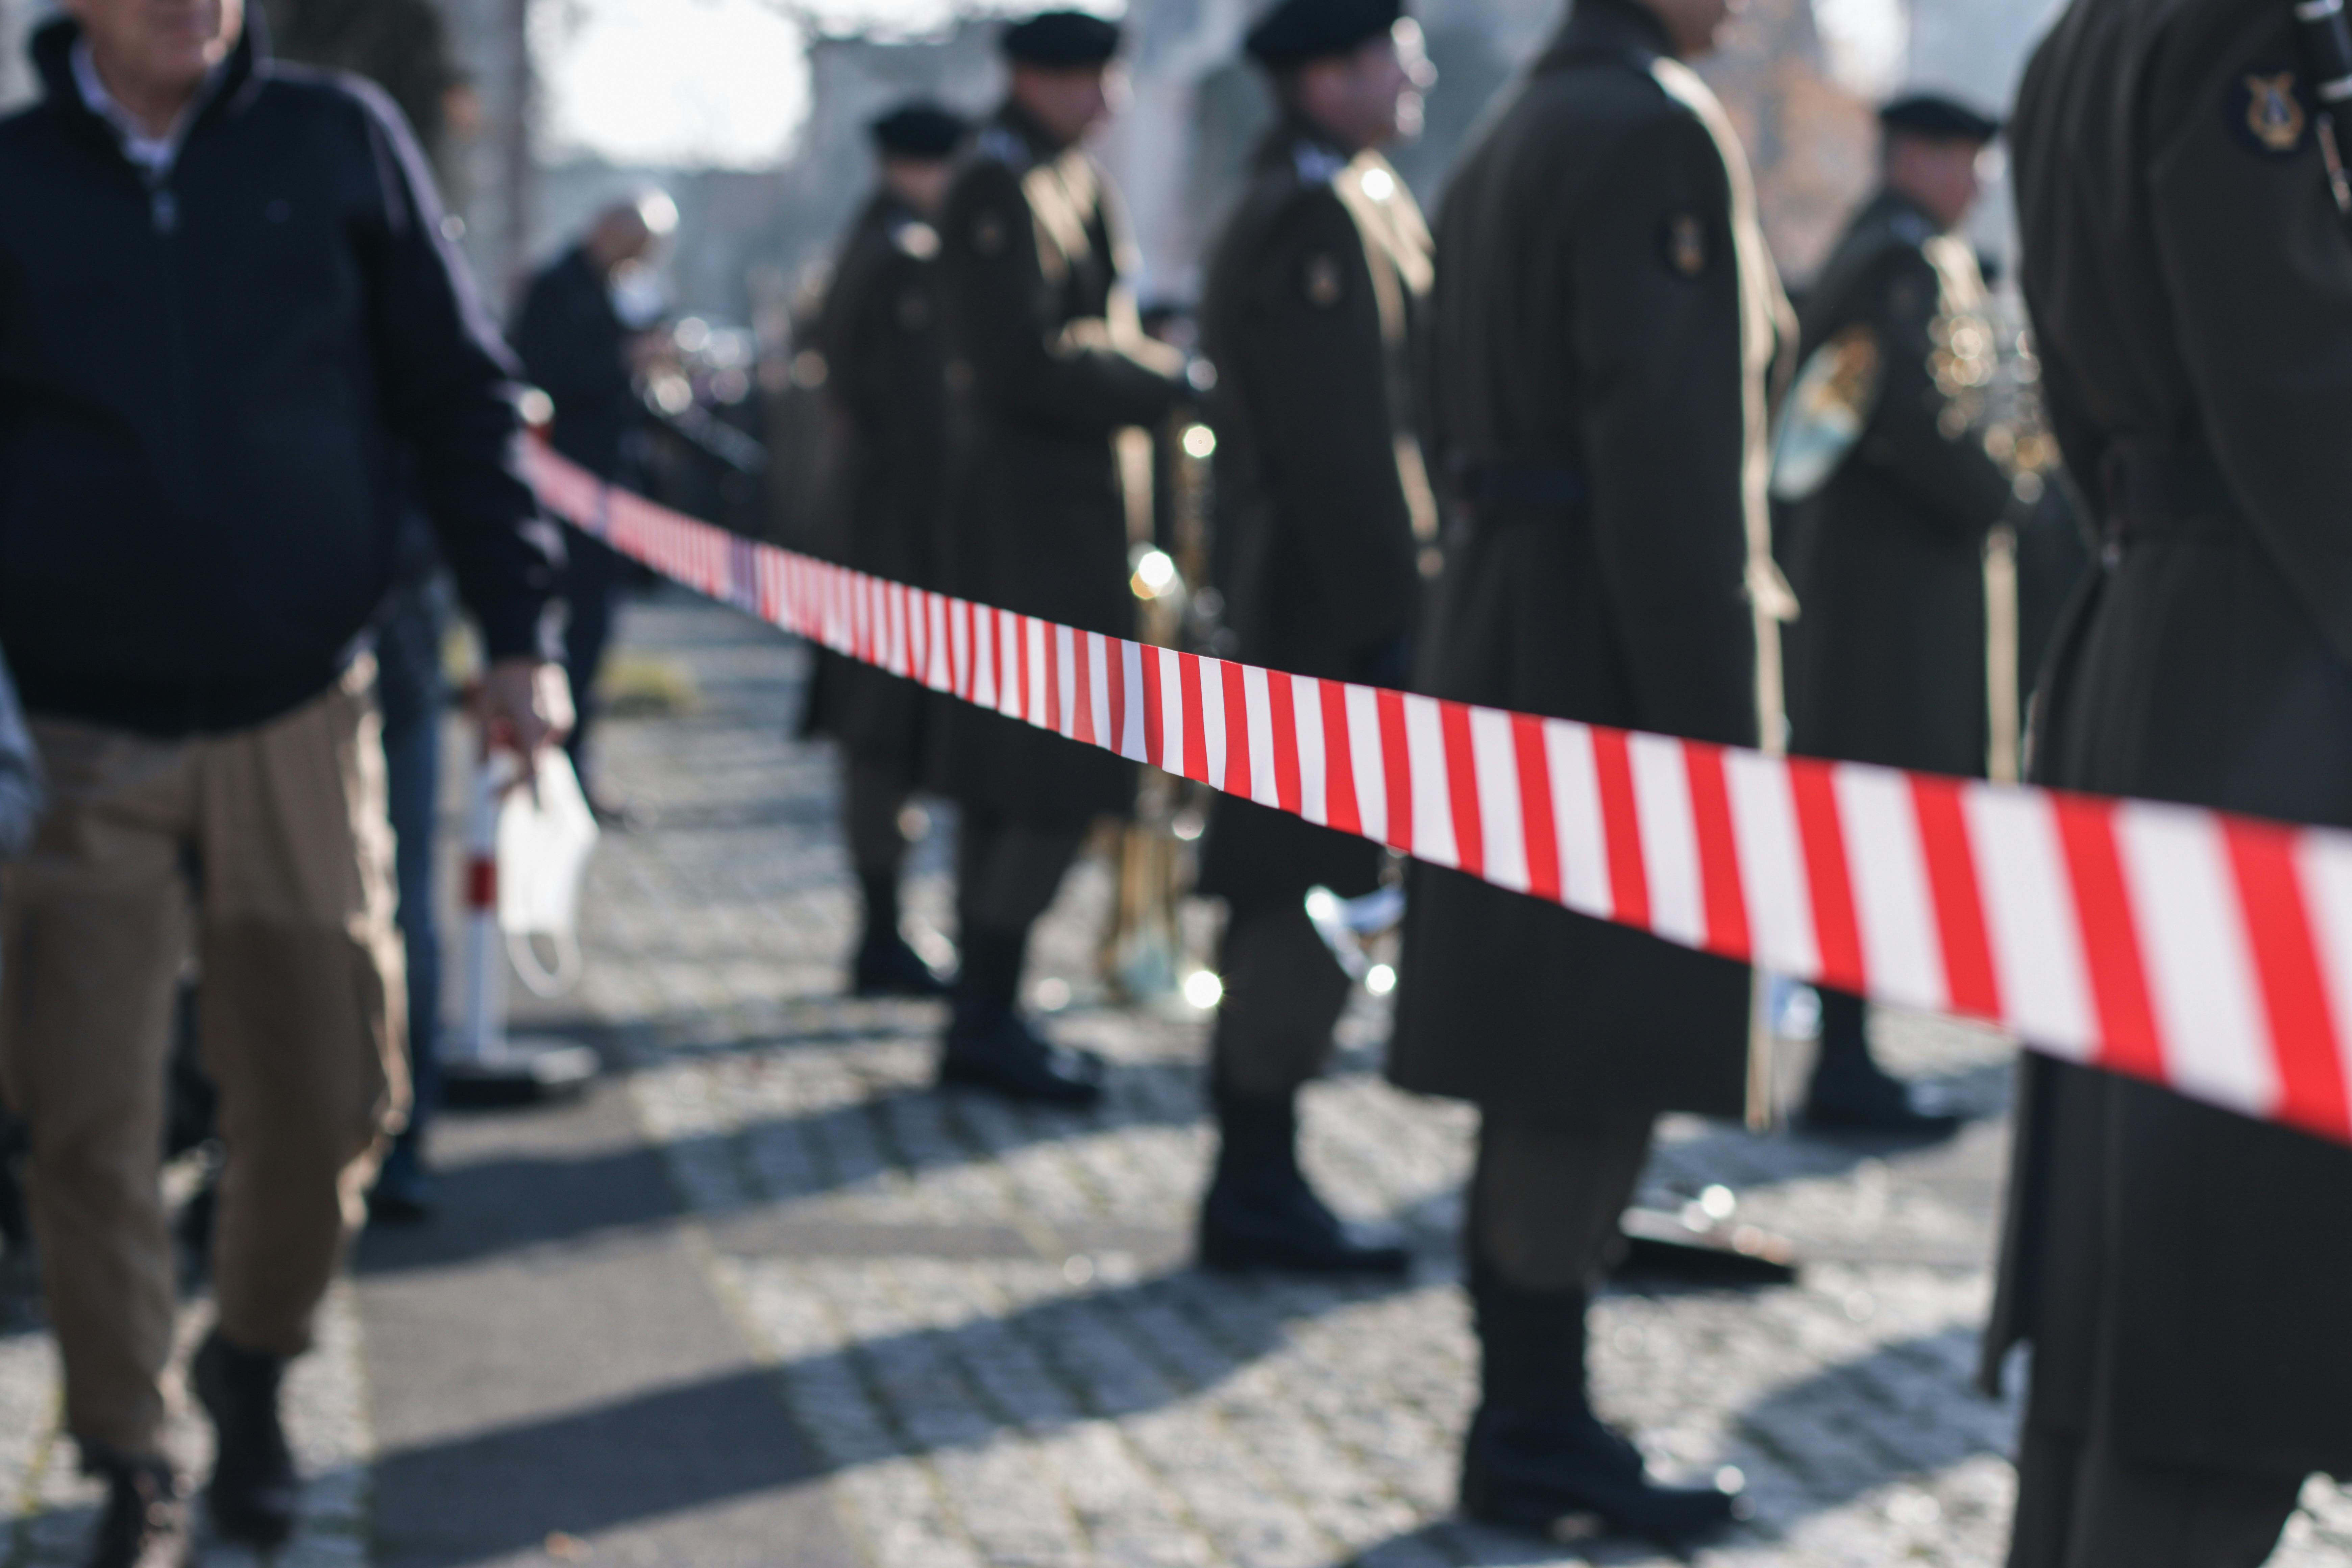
[1887,656]
[2182,1270]
[1046,365]
[1602,326]
[1323,503]
[885,457]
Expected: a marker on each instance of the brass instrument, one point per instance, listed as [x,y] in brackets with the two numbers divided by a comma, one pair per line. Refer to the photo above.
[1984,365]
[1142,957]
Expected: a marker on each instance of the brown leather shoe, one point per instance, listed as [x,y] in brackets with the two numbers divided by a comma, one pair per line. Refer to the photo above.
[146,1520]
[255,1493]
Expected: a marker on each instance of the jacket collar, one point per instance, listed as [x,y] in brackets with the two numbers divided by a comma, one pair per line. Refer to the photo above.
[1018,122]
[1297,142]
[1904,217]
[230,90]
[1608,29]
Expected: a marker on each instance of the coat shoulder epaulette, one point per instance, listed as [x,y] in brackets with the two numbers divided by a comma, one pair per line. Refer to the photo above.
[997,144]
[914,238]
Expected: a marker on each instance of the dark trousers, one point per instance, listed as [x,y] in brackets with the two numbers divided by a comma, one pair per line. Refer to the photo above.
[593,575]
[1284,995]
[1007,871]
[2081,1505]
[1546,1198]
[873,793]
[415,697]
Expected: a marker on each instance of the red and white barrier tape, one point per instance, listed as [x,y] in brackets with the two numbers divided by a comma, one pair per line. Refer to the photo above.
[2209,952]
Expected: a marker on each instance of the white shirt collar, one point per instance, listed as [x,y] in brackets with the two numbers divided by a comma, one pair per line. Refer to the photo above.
[154,156]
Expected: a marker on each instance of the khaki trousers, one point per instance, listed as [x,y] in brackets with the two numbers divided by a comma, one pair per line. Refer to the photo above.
[266,854]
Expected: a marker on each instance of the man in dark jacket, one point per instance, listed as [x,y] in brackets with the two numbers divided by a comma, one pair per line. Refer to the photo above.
[886,403]
[1324,510]
[1599,421]
[2176,1267]
[229,319]
[576,348]
[1046,363]
[1883,454]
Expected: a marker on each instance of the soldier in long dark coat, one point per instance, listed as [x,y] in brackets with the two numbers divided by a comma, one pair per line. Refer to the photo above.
[1885,550]
[1047,364]
[2179,1270]
[1324,512]
[1603,322]
[885,460]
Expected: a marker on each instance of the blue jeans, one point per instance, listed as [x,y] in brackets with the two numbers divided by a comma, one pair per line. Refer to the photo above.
[414,696]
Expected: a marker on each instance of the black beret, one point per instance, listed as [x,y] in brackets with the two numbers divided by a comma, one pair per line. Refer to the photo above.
[1061,38]
[918,129]
[1296,31]
[1938,119]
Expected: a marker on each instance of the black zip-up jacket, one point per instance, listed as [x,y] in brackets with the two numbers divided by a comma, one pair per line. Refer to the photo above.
[216,389]
[575,349]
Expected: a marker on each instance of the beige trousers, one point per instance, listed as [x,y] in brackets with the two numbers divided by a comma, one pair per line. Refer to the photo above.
[265,854]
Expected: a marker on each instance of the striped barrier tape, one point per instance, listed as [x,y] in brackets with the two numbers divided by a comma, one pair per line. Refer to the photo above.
[2209,952]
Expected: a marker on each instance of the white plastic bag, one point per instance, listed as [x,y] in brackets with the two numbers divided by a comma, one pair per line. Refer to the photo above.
[546,833]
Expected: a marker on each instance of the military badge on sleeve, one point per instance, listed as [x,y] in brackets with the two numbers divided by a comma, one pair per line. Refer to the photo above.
[2267,110]
[1685,244]
[1324,282]
[1825,413]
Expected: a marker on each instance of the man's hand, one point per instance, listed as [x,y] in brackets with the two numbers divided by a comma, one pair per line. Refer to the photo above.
[524,705]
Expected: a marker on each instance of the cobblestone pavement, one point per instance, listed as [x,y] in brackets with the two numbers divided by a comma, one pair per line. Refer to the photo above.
[984,1316]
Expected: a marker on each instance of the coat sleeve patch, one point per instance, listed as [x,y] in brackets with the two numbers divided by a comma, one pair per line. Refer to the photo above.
[2268,111]
[1684,244]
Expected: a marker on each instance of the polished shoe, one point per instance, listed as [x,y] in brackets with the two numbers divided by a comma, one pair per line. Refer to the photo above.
[1536,1456]
[1260,1211]
[1868,1099]
[1534,1470]
[1850,1093]
[886,966]
[145,1524]
[989,1047]
[255,1493]
[402,1193]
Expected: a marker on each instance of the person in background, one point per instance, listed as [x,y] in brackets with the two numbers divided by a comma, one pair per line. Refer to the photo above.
[191,551]
[1314,290]
[885,399]
[21,794]
[414,695]
[1885,550]
[1046,363]
[576,348]
[2178,1268]
[21,798]
[1598,424]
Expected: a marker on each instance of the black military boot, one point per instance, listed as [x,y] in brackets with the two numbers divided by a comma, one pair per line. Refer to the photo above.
[885,965]
[254,1492]
[145,1524]
[1852,1093]
[991,1047]
[1537,1455]
[1260,1213]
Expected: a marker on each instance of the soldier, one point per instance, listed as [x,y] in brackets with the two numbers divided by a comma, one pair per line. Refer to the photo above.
[1883,454]
[1046,363]
[1313,289]
[2176,1267]
[885,400]
[1604,319]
